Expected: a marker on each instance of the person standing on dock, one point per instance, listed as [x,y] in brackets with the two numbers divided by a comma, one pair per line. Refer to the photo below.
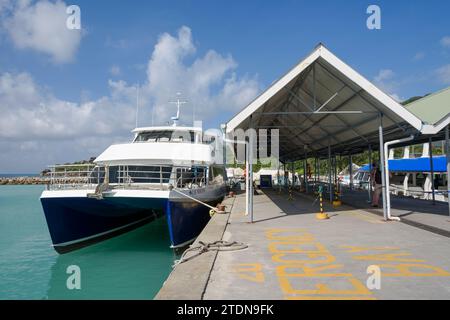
[375,179]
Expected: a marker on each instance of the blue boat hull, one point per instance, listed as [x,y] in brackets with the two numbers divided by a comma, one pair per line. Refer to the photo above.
[79,221]
[76,222]
[186,220]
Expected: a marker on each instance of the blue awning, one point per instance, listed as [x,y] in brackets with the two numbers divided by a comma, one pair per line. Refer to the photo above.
[415,165]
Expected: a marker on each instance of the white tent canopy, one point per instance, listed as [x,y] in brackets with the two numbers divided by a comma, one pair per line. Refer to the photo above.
[322,107]
[323,102]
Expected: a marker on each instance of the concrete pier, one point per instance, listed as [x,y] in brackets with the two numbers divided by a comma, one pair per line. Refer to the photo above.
[291,255]
[196,273]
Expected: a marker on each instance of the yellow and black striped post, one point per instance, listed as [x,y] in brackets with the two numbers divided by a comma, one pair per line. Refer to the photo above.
[337,201]
[290,194]
[321,215]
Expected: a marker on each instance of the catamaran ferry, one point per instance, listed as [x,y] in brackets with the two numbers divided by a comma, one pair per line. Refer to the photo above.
[168,170]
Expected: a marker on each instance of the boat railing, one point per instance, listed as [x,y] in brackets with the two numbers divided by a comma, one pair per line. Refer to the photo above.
[88,176]
[70,176]
[129,177]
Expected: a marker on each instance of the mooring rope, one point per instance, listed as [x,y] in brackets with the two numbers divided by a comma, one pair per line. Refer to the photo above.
[196,200]
[203,247]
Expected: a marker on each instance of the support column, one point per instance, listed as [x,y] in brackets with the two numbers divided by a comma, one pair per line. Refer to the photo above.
[318,170]
[286,178]
[251,142]
[447,153]
[224,144]
[430,151]
[305,184]
[330,182]
[335,178]
[278,174]
[350,171]
[369,187]
[382,169]
[307,178]
[315,170]
[293,174]
[278,177]
[335,171]
[305,165]
[247,194]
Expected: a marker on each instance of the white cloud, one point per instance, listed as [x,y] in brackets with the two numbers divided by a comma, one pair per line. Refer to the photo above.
[115,70]
[29,112]
[418,56]
[41,26]
[384,74]
[117,44]
[444,74]
[396,97]
[5,5]
[445,42]
[209,82]
[386,82]
[35,123]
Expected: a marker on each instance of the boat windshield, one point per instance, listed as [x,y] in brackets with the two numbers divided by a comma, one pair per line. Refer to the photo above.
[166,136]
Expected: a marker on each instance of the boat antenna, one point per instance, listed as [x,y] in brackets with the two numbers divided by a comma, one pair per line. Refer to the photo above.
[178,102]
[153,111]
[137,104]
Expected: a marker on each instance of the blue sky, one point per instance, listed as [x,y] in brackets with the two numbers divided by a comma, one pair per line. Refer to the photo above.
[253,43]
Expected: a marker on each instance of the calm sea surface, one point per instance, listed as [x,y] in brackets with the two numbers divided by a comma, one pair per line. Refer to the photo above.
[131,266]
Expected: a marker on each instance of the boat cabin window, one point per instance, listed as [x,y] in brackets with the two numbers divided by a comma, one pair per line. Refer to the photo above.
[132,174]
[165,136]
[143,174]
[187,176]
[217,174]
[97,175]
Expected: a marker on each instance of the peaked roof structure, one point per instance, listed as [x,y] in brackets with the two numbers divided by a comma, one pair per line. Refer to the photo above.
[323,103]
[433,109]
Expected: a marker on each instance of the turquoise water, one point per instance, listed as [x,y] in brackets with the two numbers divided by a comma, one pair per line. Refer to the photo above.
[131,266]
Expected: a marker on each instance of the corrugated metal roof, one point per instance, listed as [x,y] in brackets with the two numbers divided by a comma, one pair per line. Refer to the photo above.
[432,108]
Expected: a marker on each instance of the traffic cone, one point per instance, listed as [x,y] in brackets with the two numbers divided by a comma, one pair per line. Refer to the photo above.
[290,194]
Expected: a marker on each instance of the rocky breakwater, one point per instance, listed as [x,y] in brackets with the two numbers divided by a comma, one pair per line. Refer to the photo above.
[24,180]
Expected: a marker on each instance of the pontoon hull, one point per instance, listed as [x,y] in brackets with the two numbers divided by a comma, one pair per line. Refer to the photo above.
[76,222]
[186,220]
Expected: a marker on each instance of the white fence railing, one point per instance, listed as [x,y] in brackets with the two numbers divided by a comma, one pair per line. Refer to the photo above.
[88,176]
